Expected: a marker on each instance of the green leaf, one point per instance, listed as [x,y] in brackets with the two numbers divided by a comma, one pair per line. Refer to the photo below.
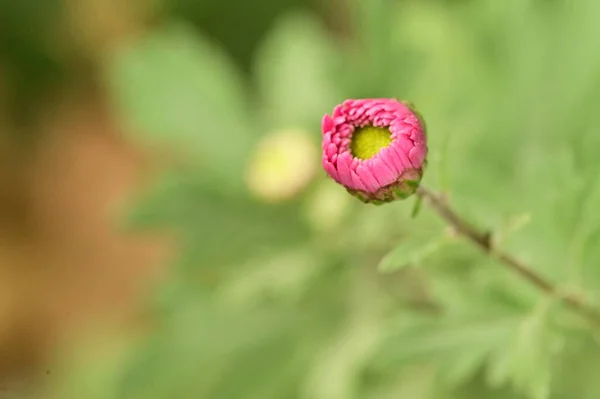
[440,339]
[205,220]
[578,369]
[513,224]
[410,252]
[295,73]
[457,369]
[178,89]
[374,22]
[527,361]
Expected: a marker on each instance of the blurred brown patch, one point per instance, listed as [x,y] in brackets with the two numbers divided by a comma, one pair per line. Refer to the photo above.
[67,176]
[64,261]
[97,27]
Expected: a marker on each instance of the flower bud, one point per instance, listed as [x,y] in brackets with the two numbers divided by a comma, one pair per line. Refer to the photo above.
[282,165]
[375,148]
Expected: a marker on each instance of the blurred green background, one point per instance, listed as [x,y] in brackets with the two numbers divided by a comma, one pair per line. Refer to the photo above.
[286,287]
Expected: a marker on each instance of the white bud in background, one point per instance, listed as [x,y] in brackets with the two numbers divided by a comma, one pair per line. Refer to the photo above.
[282,165]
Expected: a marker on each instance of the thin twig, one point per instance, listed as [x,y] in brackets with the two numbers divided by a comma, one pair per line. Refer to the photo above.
[483,241]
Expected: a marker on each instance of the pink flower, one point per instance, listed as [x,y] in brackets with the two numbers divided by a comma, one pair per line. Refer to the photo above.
[375,148]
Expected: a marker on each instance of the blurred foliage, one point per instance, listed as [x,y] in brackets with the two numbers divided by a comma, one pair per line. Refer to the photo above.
[284,300]
[239,26]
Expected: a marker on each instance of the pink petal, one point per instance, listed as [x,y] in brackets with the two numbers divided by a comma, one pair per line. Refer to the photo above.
[417,135]
[339,120]
[411,119]
[398,129]
[326,140]
[389,155]
[350,103]
[374,109]
[383,115]
[405,144]
[391,107]
[331,149]
[401,111]
[343,167]
[388,160]
[417,154]
[327,124]
[330,169]
[360,103]
[356,182]
[358,113]
[381,122]
[337,111]
[382,173]
[402,156]
[345,131]
[366,176]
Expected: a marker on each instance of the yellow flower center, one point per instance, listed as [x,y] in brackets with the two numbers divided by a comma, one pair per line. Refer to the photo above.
[369,140]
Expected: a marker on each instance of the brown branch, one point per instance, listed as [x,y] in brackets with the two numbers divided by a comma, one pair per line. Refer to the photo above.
[483,241]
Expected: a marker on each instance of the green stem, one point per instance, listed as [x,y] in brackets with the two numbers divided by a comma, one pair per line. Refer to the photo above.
[483,242]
